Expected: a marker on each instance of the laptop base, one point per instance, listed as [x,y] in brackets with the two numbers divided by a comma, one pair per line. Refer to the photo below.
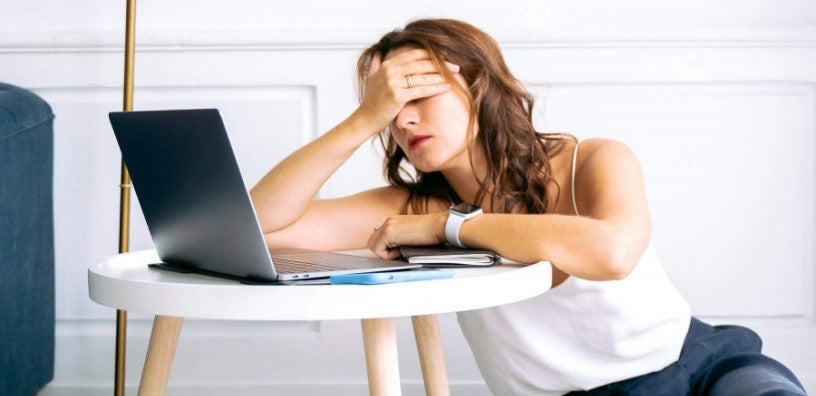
[186,269]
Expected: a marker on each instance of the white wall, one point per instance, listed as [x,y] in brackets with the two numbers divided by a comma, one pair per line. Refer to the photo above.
[716,97]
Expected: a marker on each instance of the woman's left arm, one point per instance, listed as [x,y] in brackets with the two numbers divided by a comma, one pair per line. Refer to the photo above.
[604,243]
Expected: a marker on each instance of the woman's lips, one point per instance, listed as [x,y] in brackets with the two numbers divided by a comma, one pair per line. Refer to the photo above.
[416,140]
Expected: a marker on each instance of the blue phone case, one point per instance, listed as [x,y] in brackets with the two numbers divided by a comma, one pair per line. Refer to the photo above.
[375,278]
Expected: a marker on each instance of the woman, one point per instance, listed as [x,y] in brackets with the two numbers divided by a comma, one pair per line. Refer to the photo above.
[440,97]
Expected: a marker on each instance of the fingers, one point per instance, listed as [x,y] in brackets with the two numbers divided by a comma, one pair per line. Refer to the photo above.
[421,85]
[413,62]
[422,67]
[408,63]
[407,230]
[388,89]
[378,243]
[426,91]
[425,84]
[424,79]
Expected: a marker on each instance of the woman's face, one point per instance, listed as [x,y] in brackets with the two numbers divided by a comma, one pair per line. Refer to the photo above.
[432,131]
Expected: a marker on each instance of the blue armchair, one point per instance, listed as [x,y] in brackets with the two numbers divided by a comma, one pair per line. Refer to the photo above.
[26,242]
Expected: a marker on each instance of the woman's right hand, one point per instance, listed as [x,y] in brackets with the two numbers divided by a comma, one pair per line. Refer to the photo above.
[387,91]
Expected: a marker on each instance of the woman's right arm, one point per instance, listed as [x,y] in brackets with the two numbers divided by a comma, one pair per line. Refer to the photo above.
[282,195]
[284,198]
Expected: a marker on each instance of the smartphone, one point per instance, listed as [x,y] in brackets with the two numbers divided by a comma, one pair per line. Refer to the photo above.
[376,278]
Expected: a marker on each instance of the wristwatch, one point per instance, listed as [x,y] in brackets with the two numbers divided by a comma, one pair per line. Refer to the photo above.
[457,215]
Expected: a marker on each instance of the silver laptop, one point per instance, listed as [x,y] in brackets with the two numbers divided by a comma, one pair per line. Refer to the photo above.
[198,209]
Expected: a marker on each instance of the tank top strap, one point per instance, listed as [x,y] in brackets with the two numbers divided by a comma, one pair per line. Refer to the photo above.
[574,158]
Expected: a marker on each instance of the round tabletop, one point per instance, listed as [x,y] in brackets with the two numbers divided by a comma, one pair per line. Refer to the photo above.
[125,282]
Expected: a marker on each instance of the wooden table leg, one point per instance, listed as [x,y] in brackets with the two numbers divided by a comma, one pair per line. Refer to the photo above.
[431,357]
[160,351]
[380,341]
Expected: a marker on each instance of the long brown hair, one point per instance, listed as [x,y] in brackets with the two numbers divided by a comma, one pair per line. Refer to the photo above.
[518,170]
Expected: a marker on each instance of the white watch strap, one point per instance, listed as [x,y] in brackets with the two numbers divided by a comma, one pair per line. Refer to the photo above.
[452,226]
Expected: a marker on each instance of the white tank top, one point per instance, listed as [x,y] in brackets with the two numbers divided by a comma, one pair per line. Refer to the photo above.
[582,334]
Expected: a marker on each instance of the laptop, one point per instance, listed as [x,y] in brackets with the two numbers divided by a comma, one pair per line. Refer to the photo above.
[198,209]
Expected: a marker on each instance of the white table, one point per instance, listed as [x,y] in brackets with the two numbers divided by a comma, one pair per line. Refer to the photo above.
[125,282]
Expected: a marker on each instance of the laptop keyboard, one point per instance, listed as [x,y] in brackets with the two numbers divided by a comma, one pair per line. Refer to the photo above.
[289,266]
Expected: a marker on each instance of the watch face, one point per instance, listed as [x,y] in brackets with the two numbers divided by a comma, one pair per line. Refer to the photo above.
[465,208]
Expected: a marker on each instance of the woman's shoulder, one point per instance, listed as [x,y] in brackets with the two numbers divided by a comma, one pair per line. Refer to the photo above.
[590,145]
[589,155]
[603,157]
[603,149]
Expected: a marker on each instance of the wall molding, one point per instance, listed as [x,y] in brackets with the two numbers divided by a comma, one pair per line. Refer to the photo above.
[322,38]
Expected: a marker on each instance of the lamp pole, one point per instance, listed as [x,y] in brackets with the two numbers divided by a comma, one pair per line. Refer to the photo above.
[124,198]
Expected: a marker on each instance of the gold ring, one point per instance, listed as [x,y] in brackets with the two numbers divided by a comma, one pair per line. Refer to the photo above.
[408,79]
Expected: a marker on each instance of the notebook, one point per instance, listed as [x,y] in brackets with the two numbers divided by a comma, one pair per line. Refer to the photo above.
[198,209]
[447,256]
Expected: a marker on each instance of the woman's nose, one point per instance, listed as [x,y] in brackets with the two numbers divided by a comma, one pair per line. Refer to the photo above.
[407,117]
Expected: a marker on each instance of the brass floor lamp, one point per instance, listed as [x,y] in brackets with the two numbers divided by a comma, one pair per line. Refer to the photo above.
[124,198]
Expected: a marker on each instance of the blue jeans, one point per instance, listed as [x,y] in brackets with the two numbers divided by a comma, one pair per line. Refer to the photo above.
[716,361]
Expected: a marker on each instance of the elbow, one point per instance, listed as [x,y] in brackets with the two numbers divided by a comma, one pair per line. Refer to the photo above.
[619,270]
[617,261]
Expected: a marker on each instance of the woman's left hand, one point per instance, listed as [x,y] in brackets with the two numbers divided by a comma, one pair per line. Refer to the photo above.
[417,230]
